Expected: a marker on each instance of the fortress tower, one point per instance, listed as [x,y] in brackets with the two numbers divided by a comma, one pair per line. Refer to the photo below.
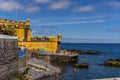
[24,33]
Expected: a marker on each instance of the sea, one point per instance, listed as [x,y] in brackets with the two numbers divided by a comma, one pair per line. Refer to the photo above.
[95,70]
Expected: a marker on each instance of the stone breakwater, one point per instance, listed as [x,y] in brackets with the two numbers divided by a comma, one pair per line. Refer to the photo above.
[37,74]
[8,58]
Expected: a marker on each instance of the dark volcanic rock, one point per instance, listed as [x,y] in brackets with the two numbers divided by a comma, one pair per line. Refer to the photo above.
[92,52]
[82,65]
[112,62]
[85,52]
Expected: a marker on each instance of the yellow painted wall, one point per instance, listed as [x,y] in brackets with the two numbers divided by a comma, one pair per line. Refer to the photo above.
[20,34]
[48,46]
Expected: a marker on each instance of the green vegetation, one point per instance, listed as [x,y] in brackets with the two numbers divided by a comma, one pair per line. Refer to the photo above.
[19,78]
[10,30]
[42,50]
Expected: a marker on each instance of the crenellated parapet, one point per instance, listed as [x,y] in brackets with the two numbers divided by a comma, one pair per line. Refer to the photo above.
[4,23]
[46,38]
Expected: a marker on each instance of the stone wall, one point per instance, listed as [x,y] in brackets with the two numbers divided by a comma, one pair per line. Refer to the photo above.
[8,57]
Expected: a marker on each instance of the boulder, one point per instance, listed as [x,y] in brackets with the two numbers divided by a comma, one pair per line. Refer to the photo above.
[92,52]
[112,62]
[82,65]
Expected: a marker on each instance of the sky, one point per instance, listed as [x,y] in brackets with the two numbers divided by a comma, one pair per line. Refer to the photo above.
[92,21]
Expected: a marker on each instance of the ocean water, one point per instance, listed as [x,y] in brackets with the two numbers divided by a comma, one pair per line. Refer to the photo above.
[95,70]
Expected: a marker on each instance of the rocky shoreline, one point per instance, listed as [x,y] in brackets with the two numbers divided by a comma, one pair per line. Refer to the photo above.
[51,75]
[90,52]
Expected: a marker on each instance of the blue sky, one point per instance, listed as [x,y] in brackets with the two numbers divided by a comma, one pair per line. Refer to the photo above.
[76,20]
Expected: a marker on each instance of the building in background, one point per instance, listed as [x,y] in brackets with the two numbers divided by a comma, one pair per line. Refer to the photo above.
[25,38]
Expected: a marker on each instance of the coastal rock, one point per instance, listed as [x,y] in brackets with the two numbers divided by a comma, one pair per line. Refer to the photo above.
[112,62]
[91,52]
[82,65]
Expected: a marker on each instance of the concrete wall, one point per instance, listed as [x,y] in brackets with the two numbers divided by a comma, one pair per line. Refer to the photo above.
[8,56]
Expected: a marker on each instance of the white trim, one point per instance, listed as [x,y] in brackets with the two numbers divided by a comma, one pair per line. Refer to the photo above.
[7,37]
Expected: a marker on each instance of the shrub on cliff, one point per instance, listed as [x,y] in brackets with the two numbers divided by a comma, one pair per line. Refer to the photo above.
[10,30]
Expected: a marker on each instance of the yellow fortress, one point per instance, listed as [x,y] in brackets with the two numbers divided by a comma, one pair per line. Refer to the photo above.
[24,33]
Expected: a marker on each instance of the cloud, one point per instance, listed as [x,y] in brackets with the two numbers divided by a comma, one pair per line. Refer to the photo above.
[43,1]
[113,30]
[114,4]
[47,31]
[42,32]
[63,4]
[73,22]
[35,32]
[87,40]
[76,18]
[32,9]
[9,5]
[85,8]
[110,4]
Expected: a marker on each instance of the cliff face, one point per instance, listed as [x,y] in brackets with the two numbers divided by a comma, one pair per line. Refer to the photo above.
[8,57]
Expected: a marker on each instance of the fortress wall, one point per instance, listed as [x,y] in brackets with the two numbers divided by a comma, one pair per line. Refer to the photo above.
[8,56]
[48,46]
